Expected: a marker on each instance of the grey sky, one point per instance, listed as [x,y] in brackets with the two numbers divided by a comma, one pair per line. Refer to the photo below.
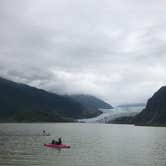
[112,49]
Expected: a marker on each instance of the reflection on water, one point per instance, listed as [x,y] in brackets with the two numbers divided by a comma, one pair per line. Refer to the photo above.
[91,145]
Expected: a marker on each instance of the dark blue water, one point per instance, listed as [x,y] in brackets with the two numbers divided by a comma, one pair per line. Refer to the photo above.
[91,145]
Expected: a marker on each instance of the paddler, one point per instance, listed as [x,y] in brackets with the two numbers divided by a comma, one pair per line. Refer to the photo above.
[59,142]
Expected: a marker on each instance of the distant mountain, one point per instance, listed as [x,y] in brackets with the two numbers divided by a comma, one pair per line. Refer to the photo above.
[132,105]
[155,110]
[125,114]
[19,102]
[91,102]
[122,120]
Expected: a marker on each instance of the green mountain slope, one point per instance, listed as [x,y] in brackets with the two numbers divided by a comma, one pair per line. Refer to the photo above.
[91,102]
[155,110]
[19,102]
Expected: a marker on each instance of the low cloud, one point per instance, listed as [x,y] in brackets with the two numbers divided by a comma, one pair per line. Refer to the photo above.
[113,50]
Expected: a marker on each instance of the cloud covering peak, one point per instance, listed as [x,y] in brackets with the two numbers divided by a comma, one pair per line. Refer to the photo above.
[115,50]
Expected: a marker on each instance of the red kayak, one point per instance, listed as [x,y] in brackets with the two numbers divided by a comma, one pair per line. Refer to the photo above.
[57,146]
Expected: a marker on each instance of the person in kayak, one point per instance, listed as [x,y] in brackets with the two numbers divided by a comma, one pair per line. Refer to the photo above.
[44,132]
[53,142]
[59,142]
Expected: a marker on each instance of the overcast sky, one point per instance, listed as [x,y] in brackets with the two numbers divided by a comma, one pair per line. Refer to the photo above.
[115,50]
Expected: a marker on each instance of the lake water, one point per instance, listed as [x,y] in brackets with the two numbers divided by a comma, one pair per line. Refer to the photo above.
[91,145]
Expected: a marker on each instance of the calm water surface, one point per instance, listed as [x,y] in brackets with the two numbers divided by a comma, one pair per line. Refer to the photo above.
[91,145]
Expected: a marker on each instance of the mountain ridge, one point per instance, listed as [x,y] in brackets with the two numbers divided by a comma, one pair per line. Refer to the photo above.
[155,110]
[19,101]
[154,113]
[91,102]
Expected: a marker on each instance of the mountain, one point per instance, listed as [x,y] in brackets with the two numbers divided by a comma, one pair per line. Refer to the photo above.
[132,105]
[155,110]
[122,120]
[20,102]
[124,114]
[91,102]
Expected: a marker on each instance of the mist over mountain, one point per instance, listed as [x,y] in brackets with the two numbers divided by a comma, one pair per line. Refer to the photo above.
[19,102]
[22,103]
[155,110]
[91,102]
[132,105]
[112,49]
[119,115]
[154,113]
